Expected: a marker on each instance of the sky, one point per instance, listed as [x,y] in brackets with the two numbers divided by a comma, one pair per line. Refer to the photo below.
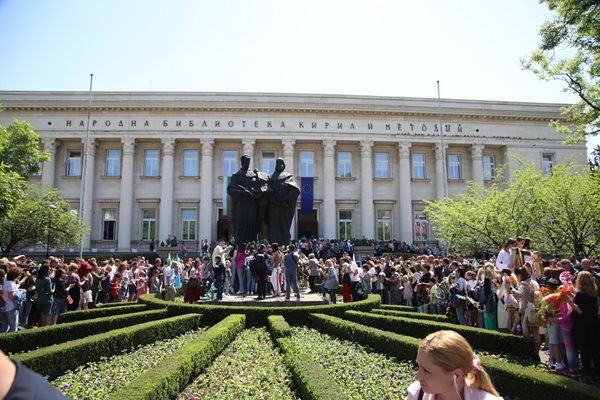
[370,47]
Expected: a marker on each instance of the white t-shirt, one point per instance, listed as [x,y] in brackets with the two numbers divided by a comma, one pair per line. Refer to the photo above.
[168,276]
[9,286]
[502,260]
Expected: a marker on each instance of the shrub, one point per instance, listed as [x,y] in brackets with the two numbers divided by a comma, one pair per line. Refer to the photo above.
[278,326]
[52,361]
[414,315]
[167,380]
[81,315]
[32,339]
[493,341]
[397,307]
[116,304]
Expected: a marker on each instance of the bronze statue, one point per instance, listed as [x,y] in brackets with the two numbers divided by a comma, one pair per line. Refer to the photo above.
[282,194]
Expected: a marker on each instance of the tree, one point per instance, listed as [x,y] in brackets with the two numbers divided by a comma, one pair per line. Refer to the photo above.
[575,26]
[560,213]
[34,221]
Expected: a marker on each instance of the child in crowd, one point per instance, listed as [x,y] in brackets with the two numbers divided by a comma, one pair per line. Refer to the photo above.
[408,290]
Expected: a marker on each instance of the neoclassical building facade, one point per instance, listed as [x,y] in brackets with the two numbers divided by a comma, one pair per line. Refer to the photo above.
[154,164]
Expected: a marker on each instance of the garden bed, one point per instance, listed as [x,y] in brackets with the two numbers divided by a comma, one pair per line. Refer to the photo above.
[410,314]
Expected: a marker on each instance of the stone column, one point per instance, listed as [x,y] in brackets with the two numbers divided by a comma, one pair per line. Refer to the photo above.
[248,148]
[329,217]
[405,197]
[206,190]
[440,174]
[126,200]
[50,144]
[477,162]
[288,158]
[88,190]
[165,217]
[366,190]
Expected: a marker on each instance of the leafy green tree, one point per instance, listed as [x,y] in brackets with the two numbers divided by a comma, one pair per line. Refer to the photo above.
[569,51]
[19,149]
[41,215]
[560,213]
[12,187]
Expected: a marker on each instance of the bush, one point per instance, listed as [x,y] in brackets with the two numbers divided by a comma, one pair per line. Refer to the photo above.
[116,304]
[278,326]
[32,339]
[54,360]
[510,379]
[255,315]
[168,379]
[396,307]
[492,341]
[407,314]
[81,315]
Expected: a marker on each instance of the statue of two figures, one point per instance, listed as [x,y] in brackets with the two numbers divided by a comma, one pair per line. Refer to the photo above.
[263,204]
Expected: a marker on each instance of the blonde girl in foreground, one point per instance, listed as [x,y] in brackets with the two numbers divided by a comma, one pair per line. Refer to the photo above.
[449,370]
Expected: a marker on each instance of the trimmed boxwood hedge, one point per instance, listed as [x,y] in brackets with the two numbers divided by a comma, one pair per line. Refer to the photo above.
[397,307]
[116,304]
[308,373]
[54,360]
[32,339]
[510,379]
[256,315]
[481,339]
[92,313]
[414,315]
[167,379]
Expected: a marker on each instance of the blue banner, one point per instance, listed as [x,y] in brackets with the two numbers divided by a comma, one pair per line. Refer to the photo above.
[306,199]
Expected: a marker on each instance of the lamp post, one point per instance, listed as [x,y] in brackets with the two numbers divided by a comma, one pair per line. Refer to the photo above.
[51,207]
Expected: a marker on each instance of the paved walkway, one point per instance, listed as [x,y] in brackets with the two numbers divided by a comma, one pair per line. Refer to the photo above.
[306,299]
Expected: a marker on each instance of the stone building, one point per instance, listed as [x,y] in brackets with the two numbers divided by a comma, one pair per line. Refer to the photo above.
[157,161]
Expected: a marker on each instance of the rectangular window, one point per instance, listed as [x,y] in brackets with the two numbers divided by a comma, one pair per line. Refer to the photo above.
[151,162]
[113,162]
[188,224]
[384,224]
[382,165]
[268,162]
[345,224]
[230,162]
[190,163]
[109,224]
[307,164]
[418,166]
[421,227]
[547,164]
[489,168]
[344,164]
[74,163]
[148,223]
[454,166]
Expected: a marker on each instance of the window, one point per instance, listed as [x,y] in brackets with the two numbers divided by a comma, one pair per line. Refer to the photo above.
[113,162]
[148,223]
[151,162]
[109,224]
[344,164]
[74,163]
[382,165]
[345,224]
[489,168]
[421,227]
[453,166]
[188,223]
[547,164]
[418,166]
[229,162]
[190,163]
[384,224]
[268,162]
[307,164]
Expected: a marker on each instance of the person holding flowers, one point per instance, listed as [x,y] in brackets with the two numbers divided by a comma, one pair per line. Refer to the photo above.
[549,310]
[565,321]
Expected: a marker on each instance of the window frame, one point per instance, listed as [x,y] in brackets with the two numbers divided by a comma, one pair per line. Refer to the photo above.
[231,161]
[194,167]
[421,220]
[415,165]
[307,165]
[347,224]
[114,221]
[547,164]
[384,221]
[387,174]
[345,165]
[150,221]
[148,159]
[185,230]
[69,160]
[108,171]
[456,165]
[491,166]
[270,166]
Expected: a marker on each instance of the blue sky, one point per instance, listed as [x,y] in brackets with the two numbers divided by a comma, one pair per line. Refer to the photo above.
[375,47]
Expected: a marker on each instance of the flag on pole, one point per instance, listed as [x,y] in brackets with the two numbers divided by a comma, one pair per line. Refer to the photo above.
[169,259]
[306,199]
[227,200]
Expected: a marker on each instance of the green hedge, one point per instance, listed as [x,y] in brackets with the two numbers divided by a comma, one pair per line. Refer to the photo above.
[170,377]
[72,316]
[32,339]
[116,304]
[481,339]
[510,379]
[414,315]
[54,360]
[257,315]
[396,307]
[308,373]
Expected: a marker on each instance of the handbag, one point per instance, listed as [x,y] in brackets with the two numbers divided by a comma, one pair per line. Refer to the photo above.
[69,299]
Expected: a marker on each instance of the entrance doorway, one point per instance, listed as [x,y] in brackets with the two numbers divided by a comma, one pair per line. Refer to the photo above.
[308,225]
[224,226]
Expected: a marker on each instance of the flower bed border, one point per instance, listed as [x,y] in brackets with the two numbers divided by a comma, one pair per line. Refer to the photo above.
[308,373]
[92,313]
[170,377]
[511,379]
[397,307]
[409,314]
[54,360]
[32,339]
